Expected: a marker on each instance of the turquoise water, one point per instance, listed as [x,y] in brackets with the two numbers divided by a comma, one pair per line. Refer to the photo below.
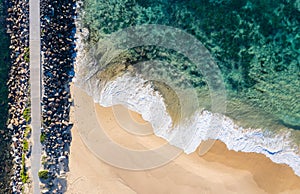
[255,43]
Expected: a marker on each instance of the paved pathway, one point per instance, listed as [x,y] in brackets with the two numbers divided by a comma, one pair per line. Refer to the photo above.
[35,81]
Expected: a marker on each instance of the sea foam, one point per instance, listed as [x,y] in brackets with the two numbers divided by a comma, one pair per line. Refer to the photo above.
[137,94]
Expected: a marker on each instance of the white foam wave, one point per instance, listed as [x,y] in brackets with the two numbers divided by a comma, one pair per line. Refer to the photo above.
[137,95]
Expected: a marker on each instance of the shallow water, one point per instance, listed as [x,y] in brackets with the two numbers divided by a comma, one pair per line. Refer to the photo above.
[254,44]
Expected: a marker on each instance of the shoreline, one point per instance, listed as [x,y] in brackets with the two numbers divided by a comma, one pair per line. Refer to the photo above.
[240,137]
[243,156]
[251,172]
[279,146]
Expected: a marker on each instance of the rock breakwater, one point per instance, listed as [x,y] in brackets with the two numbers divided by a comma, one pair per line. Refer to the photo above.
[5,157]
[18,87]
[58,53]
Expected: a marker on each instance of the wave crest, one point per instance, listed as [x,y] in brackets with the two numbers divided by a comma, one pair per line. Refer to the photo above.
[138,95]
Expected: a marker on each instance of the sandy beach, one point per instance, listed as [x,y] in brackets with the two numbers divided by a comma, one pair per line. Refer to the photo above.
[218,171]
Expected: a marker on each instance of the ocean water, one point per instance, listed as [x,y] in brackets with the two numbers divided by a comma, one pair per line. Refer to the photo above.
[246,92]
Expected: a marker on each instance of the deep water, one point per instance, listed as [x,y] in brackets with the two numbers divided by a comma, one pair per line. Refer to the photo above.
[255,43]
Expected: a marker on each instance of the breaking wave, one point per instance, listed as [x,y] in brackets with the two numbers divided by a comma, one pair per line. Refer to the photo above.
[138,95]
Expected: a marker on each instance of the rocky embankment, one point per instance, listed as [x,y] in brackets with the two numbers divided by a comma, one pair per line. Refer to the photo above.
[18,86]
[5,137]
[58,53]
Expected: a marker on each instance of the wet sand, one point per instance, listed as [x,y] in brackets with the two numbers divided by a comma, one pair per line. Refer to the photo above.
[218,171]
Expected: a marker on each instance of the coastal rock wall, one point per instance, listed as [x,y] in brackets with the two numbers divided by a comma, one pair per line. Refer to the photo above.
[58,52]
[18,84]
[5,136]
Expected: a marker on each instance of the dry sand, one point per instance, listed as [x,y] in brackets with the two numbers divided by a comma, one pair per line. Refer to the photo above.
[218,171]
